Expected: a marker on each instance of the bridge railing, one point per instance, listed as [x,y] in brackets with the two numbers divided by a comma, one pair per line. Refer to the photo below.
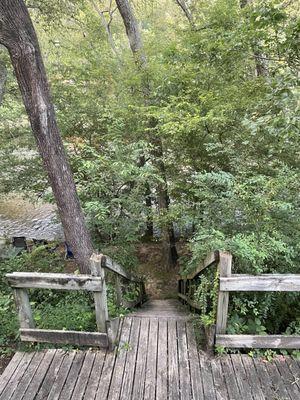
[107,328]
[229,282]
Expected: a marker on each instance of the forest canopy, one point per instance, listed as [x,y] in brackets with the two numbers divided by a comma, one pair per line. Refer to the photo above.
[194,140]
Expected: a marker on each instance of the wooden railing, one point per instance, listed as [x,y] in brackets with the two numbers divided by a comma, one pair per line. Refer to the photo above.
[95,283]
[229,282]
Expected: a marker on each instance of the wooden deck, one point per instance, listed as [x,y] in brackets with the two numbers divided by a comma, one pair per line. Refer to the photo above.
[157,359]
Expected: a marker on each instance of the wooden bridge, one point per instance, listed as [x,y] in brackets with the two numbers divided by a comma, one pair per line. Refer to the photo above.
[155,354]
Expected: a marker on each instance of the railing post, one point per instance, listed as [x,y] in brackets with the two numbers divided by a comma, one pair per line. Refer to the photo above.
[100,298]
[224,267]
[24,308]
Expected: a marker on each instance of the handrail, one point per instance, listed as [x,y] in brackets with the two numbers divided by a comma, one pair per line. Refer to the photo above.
[209,260]
[108,263]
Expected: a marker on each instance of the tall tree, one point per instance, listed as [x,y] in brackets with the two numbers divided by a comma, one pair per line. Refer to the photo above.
[18,35]
[169,251]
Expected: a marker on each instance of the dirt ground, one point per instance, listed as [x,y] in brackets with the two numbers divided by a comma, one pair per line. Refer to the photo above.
[160,283]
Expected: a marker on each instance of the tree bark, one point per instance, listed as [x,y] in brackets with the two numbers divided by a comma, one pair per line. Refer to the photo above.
[134,36]
[187,12]
[3,76]
[17,34]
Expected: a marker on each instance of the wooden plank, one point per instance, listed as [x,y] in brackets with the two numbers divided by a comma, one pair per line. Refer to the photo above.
[54,281]
[230,379]
[219,379]
[112,329]
[265,379]
[277,382]
[224,267]
[28,375]
[51,375]
[257,283]
[162,361]
[100,298]
[69,385]
[39,375]
[189,301]
[196,378]
[66,337]
[252,377]
[23,308]
[151,366]
[118,372]
[84,375]
[259,341]
[95,376]
[241,377]
[295,369]
[111,265]
[184,369]
[129,370]
[16,377]
[62,376]
[211,258]
[207,378]
[288,378]
[141,359]
[173,370]
[10,369]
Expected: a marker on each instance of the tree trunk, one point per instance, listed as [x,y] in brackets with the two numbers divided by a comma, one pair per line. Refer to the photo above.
[187,12]
[134,36]
[3,76]
[261,67]
[17,34]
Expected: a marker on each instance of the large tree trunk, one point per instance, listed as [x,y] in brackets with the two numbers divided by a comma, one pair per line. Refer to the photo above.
[18,35]
[134,36]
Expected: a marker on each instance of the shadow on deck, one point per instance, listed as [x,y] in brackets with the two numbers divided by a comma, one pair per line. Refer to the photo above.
[156,358]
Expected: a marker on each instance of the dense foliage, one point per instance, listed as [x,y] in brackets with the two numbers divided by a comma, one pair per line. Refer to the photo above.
[223,99]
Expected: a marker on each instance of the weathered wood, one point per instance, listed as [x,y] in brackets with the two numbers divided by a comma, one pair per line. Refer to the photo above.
[230,379]
[151,366]
[219,380]
[15,379]
[289,380]
[23,308]
[28,376]
[263,375]
[196,383]
[241,377]
[100,298]
[112,329]
[81,383]
[257,283]
[129,370]
[62,376]
[51,375]
[69,385]
[173,371]
[207,378]
[66,337]
[277,381]
[162,360]
[259,341]
[95,376]
[224,267]
[189,301]
[184,373]
[139,376]
[40,373]
[210,259]
[54,281]
[117,375]
[111,265]
[252,377]
[10,369]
